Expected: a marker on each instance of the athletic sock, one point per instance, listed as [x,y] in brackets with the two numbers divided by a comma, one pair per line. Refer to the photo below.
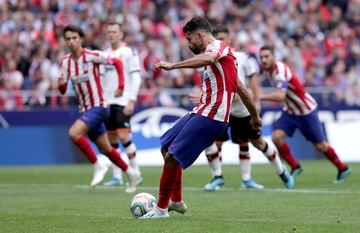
[334,158]
[245,164]
[130,150]
[285,152]
[84,145]
[115,157]
[214,160]
[167,183]
[273,158]
[176,194]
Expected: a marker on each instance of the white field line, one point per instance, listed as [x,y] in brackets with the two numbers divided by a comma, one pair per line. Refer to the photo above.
[144,188]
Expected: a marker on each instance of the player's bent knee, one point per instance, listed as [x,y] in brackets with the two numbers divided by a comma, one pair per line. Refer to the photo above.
[163,151]
[170,160]
[322,146]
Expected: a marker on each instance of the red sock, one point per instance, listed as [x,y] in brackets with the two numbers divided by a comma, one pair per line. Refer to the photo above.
[334,158]
[85,147]
[285,152]
[115,157]
[167,183]
[176,194]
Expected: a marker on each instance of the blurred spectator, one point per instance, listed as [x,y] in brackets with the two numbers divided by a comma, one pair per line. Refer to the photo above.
[319,39]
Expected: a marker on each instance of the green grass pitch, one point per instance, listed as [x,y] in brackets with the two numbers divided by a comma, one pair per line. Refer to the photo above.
[58,199]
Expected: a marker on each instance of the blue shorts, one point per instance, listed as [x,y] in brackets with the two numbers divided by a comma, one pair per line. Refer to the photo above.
[190,136]
[95,119]
[309,125]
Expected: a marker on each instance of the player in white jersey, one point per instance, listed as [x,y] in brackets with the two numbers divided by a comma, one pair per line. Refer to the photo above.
[81,67]
[241,130]
[121,108]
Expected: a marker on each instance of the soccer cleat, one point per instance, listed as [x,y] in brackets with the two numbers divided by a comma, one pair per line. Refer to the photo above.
[215,184]
[296,171]
[99,173]
[287,179]
[179,207]
[341,177]
[251,184]
[114,182]
[156,212]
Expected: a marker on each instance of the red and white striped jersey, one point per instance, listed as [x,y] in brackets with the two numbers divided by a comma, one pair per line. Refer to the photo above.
[218,84]
[85,77]
[298,101]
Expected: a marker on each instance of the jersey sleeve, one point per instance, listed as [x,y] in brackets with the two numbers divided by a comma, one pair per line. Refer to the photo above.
[251,67]
[102,58]
[280,76]
[218,47]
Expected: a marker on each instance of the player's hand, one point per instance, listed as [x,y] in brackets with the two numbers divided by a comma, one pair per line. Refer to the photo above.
[256,123]
[118,92]
[195,97]
[129,109]
[164,65]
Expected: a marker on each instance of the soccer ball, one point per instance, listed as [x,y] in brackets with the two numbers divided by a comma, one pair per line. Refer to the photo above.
[142,203]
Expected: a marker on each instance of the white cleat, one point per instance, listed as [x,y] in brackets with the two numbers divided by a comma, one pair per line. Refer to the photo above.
[156,212]
[99,173]
[179,207]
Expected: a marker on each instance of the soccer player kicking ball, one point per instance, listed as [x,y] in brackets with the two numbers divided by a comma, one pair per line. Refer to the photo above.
[299,112]
[182,144]
[81,66]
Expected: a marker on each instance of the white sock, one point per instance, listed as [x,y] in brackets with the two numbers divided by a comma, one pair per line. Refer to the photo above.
[130,171]
[214,159]
[245,169]
[216,167]
[117,173]
[274,158]
[131,150]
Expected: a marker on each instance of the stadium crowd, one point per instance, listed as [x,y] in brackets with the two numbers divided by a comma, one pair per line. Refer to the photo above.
[320,40]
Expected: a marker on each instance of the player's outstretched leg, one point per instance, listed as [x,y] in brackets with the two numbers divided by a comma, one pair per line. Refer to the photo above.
[343,170]
[270,153]
[245,168]
[116,179]
[214,158]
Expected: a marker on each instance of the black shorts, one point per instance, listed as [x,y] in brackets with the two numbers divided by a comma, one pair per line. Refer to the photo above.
[240,130]
[117,119]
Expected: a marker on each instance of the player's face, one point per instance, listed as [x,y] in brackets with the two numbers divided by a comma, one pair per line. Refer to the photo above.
[223,37]
[113,33]
[267,59]
[194,41]
[73,40]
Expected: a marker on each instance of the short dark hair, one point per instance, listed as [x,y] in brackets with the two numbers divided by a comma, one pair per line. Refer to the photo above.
[220,29]
[268,47]
[73,28]
[111,23]
[197,23]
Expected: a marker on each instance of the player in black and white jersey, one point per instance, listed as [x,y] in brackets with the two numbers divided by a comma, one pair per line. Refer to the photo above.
[241,130]
[121,108]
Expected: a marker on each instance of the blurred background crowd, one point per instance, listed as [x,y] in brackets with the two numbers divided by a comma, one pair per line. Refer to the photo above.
[320,40]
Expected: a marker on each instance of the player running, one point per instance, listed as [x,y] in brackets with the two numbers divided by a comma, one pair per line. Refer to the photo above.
[182,144]
[81,66]
[121,108]
[241,130]
[299,112]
